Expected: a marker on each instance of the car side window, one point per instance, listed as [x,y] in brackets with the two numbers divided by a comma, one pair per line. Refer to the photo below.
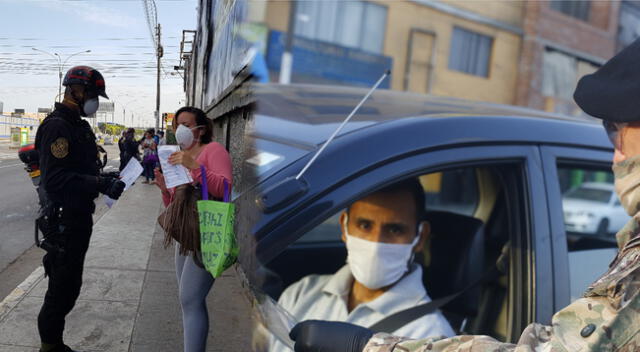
[591,221]
[452,190]
[327,231]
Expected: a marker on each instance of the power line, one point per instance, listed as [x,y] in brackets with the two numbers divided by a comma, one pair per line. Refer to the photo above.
[151,12]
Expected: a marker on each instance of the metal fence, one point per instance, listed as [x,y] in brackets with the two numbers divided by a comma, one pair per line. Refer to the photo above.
[7,122]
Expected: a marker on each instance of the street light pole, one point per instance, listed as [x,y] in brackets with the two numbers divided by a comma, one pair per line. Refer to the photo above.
[61,66]
[159,54]
[124,111]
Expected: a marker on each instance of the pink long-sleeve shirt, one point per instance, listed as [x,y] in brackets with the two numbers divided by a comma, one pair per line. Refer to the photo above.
[217,164]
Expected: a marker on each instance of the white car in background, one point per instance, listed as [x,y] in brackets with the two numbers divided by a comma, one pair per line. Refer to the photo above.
[593,208]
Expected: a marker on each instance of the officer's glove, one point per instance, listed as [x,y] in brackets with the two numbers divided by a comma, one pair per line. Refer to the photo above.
[114,174]
[110,186]
[329,336]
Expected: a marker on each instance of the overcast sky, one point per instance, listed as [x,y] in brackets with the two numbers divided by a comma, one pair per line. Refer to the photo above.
[116,32]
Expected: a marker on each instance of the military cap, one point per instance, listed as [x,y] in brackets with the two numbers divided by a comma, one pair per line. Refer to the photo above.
[613,92]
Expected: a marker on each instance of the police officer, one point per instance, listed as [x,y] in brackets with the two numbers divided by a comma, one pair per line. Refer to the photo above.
[607,318]
[70,181]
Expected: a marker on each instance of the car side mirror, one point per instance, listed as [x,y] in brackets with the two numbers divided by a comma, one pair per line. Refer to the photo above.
[282,194]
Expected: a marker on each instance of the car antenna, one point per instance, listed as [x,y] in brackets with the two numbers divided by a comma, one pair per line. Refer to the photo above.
[315,156]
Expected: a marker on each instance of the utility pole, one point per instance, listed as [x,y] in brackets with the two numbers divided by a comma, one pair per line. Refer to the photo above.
[286,63]
[159,52]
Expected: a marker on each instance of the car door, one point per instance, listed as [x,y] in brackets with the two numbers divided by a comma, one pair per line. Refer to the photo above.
[523,214]
[579,257]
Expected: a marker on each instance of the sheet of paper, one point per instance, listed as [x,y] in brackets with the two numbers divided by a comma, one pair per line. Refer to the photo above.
[109,201]
[275,318]
[174,175]
[130,173]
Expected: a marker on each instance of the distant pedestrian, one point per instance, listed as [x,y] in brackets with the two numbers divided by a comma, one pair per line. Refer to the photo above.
[130,146]
[121,149]
[155,135]
[149,156]
[162,140]
[194,132]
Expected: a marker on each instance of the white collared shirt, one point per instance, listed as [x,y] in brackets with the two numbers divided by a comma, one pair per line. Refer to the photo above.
[325,297]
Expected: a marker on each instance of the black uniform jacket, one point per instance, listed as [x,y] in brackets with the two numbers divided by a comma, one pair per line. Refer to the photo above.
[68,160]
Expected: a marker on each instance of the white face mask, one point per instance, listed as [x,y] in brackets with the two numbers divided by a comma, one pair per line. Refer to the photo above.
[184,136]
[90,107]
[378,264]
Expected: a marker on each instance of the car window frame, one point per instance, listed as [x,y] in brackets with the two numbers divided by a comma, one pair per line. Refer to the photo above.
[552,156]
[522,307]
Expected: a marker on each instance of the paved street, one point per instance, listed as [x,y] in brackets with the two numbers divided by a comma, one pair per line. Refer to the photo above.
[5,152]
[18,209]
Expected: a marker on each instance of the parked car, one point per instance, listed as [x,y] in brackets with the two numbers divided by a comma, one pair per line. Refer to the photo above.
[593,208]
[491,176]
[108,140]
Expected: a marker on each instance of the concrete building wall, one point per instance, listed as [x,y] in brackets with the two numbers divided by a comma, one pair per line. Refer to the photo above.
[498,87]
[277,15]
[508,11]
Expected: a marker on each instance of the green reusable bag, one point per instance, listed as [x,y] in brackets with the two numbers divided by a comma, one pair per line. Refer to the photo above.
[217,241]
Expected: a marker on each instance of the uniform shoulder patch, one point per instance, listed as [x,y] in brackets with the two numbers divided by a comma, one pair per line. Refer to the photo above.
[60,148]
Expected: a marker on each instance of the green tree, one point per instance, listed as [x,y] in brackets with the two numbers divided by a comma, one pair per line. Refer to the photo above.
[170,137]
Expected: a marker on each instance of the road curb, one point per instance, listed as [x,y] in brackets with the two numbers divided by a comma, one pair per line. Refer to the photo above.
[13,298]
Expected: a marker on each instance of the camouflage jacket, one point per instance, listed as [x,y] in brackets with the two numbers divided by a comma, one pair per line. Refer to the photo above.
[606,318]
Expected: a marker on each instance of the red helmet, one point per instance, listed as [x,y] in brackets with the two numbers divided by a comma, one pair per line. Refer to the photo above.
[86,76]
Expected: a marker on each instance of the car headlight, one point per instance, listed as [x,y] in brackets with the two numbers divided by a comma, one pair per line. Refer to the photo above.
[586,213]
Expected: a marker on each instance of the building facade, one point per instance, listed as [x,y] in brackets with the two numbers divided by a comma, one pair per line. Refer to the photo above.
[563,41]
[528,53]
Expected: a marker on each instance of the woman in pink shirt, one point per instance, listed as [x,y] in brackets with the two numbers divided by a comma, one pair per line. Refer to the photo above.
[194,132]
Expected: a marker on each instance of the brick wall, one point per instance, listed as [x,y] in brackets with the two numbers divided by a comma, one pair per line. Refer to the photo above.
[542,25]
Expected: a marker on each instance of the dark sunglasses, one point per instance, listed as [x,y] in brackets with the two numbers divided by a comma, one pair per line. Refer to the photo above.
[613,132]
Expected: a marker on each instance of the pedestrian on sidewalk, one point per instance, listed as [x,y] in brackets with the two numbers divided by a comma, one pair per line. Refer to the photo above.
[161,140]
[121,147]
[194,132]
[130,146]
[70,182]
[150,156]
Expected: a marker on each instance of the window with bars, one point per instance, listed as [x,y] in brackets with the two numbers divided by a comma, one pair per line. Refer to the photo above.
[353,24]
[470,52]
[578,8]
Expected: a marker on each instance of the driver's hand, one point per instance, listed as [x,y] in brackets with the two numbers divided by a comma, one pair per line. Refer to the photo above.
[329,336]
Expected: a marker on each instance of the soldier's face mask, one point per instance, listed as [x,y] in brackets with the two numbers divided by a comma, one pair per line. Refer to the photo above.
[89,107]
[378,264]
[627,183]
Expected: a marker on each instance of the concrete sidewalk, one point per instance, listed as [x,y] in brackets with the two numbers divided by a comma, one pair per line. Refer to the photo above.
[129,299]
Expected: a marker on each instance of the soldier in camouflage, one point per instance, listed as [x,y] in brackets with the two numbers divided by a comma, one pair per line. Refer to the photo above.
[607,317]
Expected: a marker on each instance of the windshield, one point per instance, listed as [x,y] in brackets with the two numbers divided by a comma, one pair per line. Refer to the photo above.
[270,157]
[590,194]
